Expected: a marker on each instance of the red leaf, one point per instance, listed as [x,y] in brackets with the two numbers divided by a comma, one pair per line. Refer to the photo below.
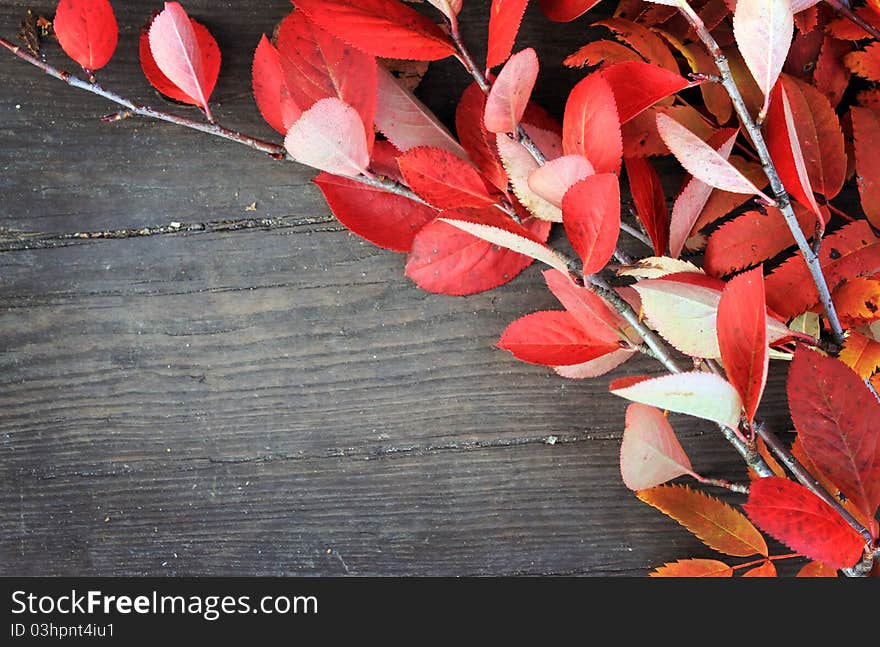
[752,238]
[637,86]
[510,92]
[385,219]
[693,568]
[852,251]
[446,260]
[591,216]
[474,137]
[505,17]
[588,309]
[566,10]
[87,31]
[831,76]
[210,53]
[552,338]
[384,28]
[179,54]
[836,418]
[406,122]
[271,92]
[444,180]
[330,136]
[802,521]
[742,337]
[647,194]
[317,65]
[591,126]
[866,134]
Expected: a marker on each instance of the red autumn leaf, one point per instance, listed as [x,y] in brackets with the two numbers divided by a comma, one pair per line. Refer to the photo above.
[845,29]
[650,453]
[271,92]
[552,338]
[767,569]
[866,134]
[442,179]
[817,569]
[693,199]
[752,238]
[317,65]
[819,136]
[836,419]
[650,202]
[742,337]
[87,31]
[588,309]
[642,39]
[210,54]
[447,260]
[476,140]
[851,251]
[330,136]
[505,17]
[566,10]
[591,126]
[637,86]
[510,92]
[598,52]
[861,354]
[181,56]
[386,28]
[831,76]
[799,519]
[693,568]
[405,120]
[385,219]
[591,216]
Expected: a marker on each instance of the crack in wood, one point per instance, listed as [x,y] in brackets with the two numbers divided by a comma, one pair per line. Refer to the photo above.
[12,241]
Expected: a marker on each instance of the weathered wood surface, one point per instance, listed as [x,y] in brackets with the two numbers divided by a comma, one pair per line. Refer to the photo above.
[274,396]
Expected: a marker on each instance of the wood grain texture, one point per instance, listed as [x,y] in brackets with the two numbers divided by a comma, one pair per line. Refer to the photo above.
[260,392]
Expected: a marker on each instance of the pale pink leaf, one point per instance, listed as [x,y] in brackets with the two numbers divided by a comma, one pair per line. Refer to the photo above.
[330,136]
[650,453]
[520,164]
[555,177]
[510,92]
[703,395]
[797,154]
[701,160]
[596,367]
[690,203]
[405,120]
[175,49]
[547,141]
[448,8]
[763,31]
[685,314]
[508,239]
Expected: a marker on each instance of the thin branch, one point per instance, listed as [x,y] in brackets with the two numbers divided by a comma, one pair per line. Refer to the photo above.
[852,16]
[727,485]
[635,233]
[782,199]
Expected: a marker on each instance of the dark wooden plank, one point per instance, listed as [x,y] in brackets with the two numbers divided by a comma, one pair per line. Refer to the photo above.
[273,396]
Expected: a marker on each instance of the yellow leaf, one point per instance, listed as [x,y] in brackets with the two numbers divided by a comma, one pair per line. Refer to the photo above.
[858,298]
[861,354]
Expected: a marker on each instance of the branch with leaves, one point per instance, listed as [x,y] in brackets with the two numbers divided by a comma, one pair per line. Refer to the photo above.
[763,100]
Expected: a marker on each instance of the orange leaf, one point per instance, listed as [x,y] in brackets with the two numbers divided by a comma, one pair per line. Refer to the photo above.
[861,354]
[767,569]
[858,298]
[817,569]
[693,568]
[715,523]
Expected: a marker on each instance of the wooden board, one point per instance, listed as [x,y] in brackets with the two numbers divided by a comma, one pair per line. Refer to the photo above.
[258,392]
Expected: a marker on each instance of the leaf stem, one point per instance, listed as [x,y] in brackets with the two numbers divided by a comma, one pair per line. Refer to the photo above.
[782,199]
